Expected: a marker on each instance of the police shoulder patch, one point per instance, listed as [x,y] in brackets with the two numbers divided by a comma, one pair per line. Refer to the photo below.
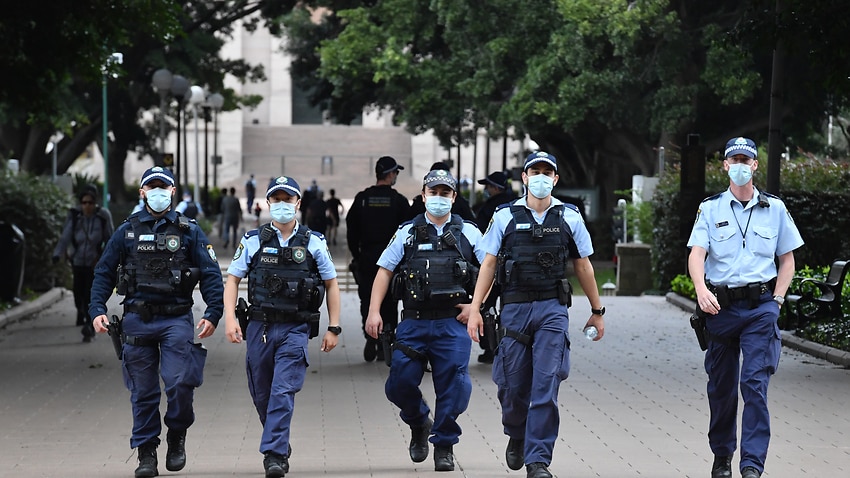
[211,252]
[238,252]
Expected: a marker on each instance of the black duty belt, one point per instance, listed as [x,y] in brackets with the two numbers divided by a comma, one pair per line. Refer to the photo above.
[275,316]
[741,293]
[528,295]
[158,309]
[429,314]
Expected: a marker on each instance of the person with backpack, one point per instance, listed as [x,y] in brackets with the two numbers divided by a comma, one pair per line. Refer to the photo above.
[188,207]
[87,228]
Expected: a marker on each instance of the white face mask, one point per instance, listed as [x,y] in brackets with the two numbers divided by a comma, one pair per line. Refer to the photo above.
[438,206]
[282,212]
[158,199]
[740,173]
[540,185]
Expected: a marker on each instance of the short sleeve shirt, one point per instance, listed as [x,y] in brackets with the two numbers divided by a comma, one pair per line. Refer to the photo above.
[250,244]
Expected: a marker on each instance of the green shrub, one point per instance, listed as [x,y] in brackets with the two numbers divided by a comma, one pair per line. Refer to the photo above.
[684,286]
[39,208]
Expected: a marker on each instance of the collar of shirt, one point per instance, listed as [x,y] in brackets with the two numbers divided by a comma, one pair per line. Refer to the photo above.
[553,201]
[146,216]
[729,198]
[284,241]
[438,228]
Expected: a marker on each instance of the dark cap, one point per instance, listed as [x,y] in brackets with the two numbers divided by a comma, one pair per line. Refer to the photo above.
[387,164]
[540,157]
[157,172]
[285,184]
[741,145]
[497,179]
[437,177]
[440,165]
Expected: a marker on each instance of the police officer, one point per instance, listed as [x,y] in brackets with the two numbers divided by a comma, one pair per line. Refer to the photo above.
[459,208]
[434,257]
[289,270]
[736,238]
[156,257]
[497,192]
[372,220]
[528,245]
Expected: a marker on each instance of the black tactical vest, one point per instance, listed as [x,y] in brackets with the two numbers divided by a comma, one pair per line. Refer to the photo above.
[284,280]
[436,272]
[534,256]
[158,262]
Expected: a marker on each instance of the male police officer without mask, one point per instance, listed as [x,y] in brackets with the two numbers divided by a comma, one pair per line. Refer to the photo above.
[156,257]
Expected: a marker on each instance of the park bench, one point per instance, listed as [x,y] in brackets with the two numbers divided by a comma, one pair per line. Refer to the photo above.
[813,299]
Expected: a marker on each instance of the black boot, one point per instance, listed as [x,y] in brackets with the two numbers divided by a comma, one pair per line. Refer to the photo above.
[175,457]
[419,441]
[443,458]
[370,350]
[722,467]
[537,470]
[275,465]
[750,472]
[147,461]
[515,454]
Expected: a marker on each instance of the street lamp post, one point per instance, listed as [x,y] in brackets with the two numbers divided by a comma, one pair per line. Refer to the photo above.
[206,193]
[113,59]
[162,80]
[179,88]
[196,99]
[216,101]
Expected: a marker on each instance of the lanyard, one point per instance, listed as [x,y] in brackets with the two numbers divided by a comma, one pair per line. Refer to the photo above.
[744,230]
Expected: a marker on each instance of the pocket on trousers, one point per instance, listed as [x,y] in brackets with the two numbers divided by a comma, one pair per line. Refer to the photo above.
[193,370]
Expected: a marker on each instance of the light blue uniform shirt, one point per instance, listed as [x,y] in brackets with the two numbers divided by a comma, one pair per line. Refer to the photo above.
[743,241]
[492,240]
[250,244]
[394,252]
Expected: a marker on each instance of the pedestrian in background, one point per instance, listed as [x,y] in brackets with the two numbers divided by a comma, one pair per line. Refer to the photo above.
[87,228]
[372,220]
[433,258]
[155,258]
[250,193]
[231,213]
[528,246]
[737,238]
[335,209]
[189,207]
[281,320]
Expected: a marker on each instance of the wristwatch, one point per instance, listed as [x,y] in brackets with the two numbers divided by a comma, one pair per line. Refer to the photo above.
[598,311]
[779,299]
[335,329]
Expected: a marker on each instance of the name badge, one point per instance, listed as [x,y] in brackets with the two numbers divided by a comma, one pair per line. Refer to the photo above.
[146,237]
[722,224]
[523,227]
[426,247]
[270,250]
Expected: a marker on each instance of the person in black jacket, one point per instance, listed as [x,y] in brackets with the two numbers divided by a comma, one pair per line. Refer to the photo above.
[372,220]
[459,208]
[497,193]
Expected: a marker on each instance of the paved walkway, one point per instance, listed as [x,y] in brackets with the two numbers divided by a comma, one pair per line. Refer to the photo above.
[633,406]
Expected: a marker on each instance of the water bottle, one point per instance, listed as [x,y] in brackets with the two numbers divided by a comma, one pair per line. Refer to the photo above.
[590,332]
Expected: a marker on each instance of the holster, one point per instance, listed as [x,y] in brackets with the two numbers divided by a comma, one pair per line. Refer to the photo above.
[698,324]
[491,327]
[242,315]
[565,292]
[115,333]
[387,338]
[312,318]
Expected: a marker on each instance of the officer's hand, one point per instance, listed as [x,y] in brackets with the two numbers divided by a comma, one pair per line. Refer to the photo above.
[232,330]
[598,322]
[99,323]
[475,324]
[374,324]
[708,302]
[206,327]
[463,316]
[329,341]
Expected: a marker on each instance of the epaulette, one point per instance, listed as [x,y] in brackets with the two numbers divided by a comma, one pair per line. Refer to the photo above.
[572,206]
[773,196]
[471,223]
[317,234]
[712,198]
[504,205]
[405,223]
[252,233]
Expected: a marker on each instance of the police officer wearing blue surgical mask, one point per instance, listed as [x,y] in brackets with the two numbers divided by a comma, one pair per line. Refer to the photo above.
[156,257]
[289,271]
[528,244]
[736,239]
[431,262]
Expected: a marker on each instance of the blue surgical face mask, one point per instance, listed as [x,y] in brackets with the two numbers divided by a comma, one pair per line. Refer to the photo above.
[158,199]
[740,173]
[540,185]
[438,206]
[282,212]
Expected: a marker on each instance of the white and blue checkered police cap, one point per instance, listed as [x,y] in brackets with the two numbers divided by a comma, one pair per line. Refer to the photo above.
[540,157]
[157,172]
[285,184]
[741,145]
[437,177]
